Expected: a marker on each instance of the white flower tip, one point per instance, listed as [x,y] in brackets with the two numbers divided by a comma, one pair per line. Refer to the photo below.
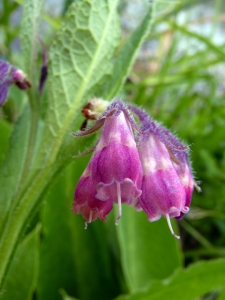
[117,221]
[119,203]
[170,227]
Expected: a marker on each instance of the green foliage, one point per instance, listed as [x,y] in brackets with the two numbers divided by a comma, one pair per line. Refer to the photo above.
[140,242]
[13,160]
[178,85]
[186,284]
[29,31]
[21,280]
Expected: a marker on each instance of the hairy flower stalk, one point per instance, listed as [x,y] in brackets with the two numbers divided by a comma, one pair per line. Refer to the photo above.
[116,171]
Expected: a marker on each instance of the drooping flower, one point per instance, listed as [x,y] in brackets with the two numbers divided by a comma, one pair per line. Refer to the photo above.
[182,166]
[116,168]
[86,203]
[10,75]
[167,183]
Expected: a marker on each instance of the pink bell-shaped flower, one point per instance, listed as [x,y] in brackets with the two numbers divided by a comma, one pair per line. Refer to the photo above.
[116,168]
[162,190]
[168,183]
[86,203]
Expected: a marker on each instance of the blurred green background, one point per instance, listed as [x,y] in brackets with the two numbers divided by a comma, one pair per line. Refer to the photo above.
[179,79]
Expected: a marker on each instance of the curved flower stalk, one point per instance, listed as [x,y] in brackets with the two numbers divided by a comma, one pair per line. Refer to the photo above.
[115,169]
[168,182]
[11,75]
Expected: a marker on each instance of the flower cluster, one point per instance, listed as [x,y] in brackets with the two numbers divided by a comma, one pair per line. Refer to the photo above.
[150,171]
[11,75]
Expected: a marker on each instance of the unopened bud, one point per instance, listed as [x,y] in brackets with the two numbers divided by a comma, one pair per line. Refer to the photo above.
[94,109]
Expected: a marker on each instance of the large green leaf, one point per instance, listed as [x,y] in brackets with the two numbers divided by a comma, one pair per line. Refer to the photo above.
[148,250]
[12,166]
[188,284]
[126,57]
[21,279]
[73,258]
[80,58]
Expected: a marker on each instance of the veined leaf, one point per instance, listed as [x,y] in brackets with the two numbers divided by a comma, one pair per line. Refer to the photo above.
[187,284]
[148,250]
[29,34]
[21,278]
[80,58]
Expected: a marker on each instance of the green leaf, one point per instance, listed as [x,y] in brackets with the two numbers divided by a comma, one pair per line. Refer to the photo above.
[12,166]
[21,279]
[29,34]
[187,284]
[148,250]
[126,57]
[74,257]
[5,129]
[221,295]
[80,58]
[65,296]
[210,46]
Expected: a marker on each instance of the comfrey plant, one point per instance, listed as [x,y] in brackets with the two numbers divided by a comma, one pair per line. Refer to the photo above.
[150,172]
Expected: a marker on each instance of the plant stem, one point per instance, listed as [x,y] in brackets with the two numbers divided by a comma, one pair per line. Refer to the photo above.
[34,106]
[19,216]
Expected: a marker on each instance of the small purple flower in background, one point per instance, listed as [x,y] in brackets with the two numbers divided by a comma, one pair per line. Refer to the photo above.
[10,75]
[116,171]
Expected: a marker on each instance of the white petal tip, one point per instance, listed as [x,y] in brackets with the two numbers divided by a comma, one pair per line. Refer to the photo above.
[170,227]
[117,221]
[176,236]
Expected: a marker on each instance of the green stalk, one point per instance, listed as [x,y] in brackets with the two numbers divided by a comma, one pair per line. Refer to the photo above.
[19,216]
[34,106]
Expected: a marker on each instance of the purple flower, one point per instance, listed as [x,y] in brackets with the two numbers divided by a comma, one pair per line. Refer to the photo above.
[167,183]
[153,174]
[162,190]
[116,171]
[182,166]
[86,203]
[10,75]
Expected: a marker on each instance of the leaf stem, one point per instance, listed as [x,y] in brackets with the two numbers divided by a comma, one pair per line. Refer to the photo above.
[19,216]
[35,107]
